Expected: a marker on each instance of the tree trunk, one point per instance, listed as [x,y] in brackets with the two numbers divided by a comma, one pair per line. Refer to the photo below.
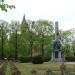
[16,50]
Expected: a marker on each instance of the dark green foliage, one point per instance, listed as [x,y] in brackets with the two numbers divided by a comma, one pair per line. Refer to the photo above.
[4,7]
[70,59]
[46,59]
[25,59]
[38,59]
[29,59]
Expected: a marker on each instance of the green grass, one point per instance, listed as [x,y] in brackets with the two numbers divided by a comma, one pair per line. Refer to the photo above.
[41,68]
[8,72]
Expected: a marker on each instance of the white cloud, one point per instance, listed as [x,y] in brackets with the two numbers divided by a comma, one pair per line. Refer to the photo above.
[56,10]
[54,7]
[67,25]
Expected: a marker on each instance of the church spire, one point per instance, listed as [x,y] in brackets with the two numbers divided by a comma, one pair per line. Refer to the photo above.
[23,20]
[24,24]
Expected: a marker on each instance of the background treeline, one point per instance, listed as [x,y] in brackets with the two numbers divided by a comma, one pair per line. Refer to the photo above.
[30,38]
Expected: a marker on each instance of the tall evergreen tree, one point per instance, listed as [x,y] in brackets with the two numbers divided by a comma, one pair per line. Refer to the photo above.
[24,37]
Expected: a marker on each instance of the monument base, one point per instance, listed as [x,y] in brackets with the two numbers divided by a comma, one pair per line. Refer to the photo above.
[57,57]
[57,60]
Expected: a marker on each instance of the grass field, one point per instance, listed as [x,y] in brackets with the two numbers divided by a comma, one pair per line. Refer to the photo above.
[41,68]
[8,72]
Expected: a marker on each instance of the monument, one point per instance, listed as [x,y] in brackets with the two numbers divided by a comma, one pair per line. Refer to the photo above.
[57,54]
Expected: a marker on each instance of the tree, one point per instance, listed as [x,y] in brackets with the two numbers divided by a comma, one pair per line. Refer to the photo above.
[3,37]
[43,28]
[4,7]
[14,28]
[66,38]
[31,37]
[68,50]
[73,47]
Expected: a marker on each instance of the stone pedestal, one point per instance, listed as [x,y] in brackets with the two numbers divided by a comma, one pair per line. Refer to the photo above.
[57,56]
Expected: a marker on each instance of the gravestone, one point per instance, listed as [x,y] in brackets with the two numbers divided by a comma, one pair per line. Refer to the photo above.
[57,54]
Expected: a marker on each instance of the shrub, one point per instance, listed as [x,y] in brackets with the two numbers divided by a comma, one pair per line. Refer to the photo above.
[37,59]
[70,59]
[46,59]
[25,59]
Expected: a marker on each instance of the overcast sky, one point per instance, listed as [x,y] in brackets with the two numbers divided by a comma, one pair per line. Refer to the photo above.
[62,11]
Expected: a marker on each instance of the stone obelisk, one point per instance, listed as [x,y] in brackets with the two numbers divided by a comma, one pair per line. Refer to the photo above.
[56,31]
[57,54]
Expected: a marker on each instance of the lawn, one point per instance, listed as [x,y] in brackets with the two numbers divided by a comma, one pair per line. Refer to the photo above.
[41,69]
[8,71]
[26,68]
